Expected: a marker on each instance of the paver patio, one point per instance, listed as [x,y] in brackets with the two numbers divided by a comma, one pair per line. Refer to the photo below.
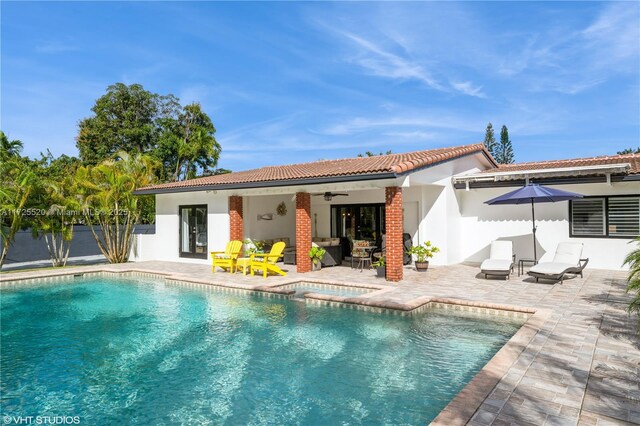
[581,367]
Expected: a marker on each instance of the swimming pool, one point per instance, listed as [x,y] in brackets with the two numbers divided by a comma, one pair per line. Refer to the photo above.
[303,287]
[144,351]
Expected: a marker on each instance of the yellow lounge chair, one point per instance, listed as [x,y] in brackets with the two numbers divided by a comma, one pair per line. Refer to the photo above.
[228,257]
[265,262]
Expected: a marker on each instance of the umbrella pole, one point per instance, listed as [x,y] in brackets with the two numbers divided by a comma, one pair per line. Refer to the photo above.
[533,217]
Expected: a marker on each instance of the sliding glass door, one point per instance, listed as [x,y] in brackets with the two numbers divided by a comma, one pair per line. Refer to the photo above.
[358,221]
[193,231]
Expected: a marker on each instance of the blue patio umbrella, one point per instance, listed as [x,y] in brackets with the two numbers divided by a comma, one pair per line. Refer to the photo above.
[534,193]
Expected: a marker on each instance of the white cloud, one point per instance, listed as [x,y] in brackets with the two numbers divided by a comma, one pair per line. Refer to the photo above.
[615,34]
[396,55]
[572,60]
[411,120]
[467,88]
[382,63]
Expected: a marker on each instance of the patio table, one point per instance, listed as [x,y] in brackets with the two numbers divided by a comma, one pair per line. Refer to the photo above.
[363,260]
[521,263]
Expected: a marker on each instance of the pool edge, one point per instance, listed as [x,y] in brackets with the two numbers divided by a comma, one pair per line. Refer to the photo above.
[459,411]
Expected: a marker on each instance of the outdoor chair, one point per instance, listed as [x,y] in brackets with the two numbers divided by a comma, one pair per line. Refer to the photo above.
[226,259]
[567,260]
[501,260]
[263,261]
[382,252]
[360,252]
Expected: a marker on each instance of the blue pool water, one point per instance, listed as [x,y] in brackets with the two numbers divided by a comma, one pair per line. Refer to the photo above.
[303,287]
[143,352]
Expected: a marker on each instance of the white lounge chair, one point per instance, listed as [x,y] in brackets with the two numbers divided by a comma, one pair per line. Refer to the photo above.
[501,260]
[567,260]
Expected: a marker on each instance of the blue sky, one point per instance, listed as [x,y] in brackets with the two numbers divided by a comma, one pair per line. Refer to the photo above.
[292,82]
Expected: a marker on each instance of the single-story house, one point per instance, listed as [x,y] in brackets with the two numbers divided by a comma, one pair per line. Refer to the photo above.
[436,194]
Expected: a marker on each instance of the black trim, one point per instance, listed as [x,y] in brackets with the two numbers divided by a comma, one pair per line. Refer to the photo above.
[187,254]
[606,218]
[378,216]
[547,181]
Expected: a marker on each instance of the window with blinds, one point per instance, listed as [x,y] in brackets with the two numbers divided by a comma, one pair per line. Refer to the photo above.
[624,216]
[605,217]
[588,217]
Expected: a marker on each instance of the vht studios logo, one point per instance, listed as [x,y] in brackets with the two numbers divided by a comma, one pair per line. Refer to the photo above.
[41,420]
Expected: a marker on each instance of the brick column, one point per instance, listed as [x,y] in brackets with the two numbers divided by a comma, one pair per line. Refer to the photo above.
[303,232]
[236,231]
[393,221]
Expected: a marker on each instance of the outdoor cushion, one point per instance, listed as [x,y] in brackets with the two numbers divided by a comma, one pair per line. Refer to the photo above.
[568,253]
[358,250]
[496,265]
[500,259]
[502,250]
[282,239]
[326,242]
[551,268]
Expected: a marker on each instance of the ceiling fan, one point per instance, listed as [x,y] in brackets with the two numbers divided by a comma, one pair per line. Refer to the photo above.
[329,195]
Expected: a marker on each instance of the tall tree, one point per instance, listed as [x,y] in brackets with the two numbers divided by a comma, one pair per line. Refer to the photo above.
[187,143]
[134,120]
[125,118]
[490,140]
[504,150]
[629,151]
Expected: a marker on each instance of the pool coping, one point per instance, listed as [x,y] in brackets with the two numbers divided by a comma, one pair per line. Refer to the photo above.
[458,411]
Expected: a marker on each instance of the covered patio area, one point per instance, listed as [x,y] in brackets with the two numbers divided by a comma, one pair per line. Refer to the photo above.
[330,216]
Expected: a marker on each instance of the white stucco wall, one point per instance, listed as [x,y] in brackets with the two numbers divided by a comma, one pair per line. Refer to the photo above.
[457,221]
[278,227]
[164,244]
[480,224]
[440,218]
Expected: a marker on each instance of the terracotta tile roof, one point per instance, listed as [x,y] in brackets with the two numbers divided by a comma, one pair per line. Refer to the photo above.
[632,159]
[378,165]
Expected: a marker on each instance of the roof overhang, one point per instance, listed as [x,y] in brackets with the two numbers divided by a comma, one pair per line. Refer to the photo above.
[268,184]
[597,170]
[399,176]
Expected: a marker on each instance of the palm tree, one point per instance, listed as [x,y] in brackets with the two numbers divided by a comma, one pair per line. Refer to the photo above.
[9,148]
[59,203]
[108,203]
[633,260]
[16,185]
